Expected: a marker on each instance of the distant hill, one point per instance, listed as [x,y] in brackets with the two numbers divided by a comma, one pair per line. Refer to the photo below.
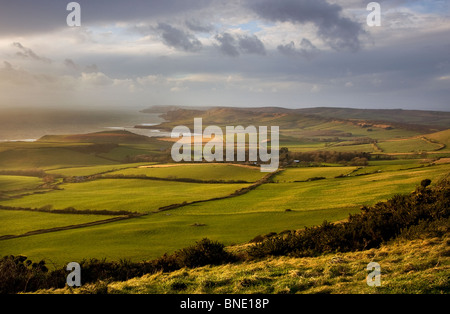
[431,119]
[116,137]
[165,109]
[223,116]
[420,120]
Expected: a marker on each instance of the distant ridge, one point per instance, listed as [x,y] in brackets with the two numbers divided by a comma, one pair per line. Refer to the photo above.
[117,136]
[427,121]
[420,117]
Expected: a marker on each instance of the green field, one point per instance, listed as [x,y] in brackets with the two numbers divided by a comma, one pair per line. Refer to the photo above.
[151,236]
[316,195]
[204,172]
[14,183]
[132,195]
[87,171]
[415,145]
[303,174]
[390,165]
[230,220]
[47,158]
[26,221]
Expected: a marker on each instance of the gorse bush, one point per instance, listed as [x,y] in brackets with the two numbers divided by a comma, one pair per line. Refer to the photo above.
[382,222]
[19,274]
[204,252]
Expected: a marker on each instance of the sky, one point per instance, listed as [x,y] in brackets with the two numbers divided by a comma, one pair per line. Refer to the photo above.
[247,53]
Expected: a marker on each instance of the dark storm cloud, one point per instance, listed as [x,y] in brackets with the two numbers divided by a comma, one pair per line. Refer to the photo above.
[227,45]
[337,31]
[233,46]
[21,17]
[252,45]
[179,39]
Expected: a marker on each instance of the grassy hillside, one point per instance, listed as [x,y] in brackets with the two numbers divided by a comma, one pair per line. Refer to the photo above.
[47,158]
[414,145]
[99,137]
[419,266]
[420,117]
[12,183]
[441,137]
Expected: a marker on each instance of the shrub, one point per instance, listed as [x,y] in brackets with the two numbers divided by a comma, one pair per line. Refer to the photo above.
[19,274]
[204,252]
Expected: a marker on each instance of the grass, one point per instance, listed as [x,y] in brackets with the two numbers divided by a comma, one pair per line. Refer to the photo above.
[125,150]
[412,267]
[87,171]
[390,165]
[124,194]
[15,183]
[413,145]
[303,174]
[232,220]
[47,158]
[351,148]
[330,193]
[203,172]
[25,221]
[151,236]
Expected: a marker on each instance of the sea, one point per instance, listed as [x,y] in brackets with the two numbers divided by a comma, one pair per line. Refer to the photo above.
[28,125]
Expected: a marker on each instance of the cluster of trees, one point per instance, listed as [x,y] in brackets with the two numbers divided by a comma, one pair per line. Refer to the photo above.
[48,180]
[347,158]
[160,157]
[73,211]
[171,178]
[96,148]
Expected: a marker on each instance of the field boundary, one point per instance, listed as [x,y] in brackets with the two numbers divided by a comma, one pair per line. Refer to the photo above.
[56,229]
[236,193]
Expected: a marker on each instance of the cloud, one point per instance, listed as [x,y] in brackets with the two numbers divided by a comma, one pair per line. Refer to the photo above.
[252,45]
[233,46]
[307,49]
[21,17]
[199,27]
[227,45]
[337,31]
[69,63]
[178,39]
[27,53]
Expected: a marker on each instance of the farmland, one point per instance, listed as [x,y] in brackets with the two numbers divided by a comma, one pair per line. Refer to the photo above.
[119,196]
[261,211]
[204,172]
[132,195]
